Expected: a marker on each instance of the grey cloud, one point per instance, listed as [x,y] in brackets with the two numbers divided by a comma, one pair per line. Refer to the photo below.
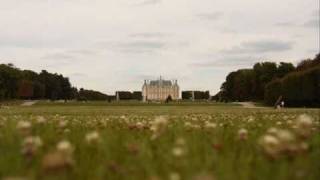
[210,16]
[227,61]
[149,35]
[313,23]
[262,46]
[69,54]
[56,60]
[183,44]
[313,51]
[58,63]
[82,52]
[21,42]
[148,2]
[286,24]
[34,41]
[151,76]
[57,56]
[143,45]
[137,46]
[78,75]
[316,13]
[141,77]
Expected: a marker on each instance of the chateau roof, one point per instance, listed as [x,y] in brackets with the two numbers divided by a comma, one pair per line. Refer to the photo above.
[161,82]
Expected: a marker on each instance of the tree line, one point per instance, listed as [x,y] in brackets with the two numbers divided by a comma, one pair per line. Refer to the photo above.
[299,88]
[269,82]
[26,84]
[196,95]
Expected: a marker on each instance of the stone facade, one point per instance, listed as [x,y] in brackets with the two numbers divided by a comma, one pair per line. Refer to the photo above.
[160,89]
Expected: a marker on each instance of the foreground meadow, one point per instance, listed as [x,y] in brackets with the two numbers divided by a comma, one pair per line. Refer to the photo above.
[175,142]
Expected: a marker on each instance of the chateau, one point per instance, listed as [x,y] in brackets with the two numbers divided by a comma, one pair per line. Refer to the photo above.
[160,89]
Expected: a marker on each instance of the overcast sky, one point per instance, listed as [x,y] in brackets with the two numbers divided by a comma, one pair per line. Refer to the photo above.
[110,45]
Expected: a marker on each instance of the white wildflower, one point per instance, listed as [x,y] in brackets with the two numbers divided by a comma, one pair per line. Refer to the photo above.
[41,120]
[92,137]
[243,134]
[178,151]
[174,176]
[65,147]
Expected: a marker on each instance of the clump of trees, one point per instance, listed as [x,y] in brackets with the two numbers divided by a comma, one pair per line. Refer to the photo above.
[249,84]
[127,95]
[91,95]
[26,84]
[267,81]
[196,95]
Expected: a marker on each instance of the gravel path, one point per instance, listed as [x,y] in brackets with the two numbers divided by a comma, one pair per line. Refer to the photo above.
[28,103]
[249,105]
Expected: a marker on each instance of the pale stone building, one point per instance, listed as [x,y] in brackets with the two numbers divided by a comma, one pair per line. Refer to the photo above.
[160,89]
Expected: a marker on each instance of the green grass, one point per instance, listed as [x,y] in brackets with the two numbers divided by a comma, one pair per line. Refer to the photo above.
[133,103]
[112,157]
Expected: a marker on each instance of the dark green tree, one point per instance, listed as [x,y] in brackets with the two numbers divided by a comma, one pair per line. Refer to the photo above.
[265,72]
